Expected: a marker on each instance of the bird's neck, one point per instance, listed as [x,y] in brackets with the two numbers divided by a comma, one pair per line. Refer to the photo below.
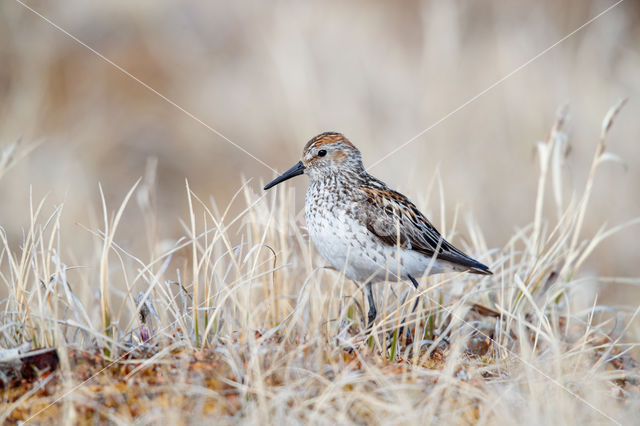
[339,179]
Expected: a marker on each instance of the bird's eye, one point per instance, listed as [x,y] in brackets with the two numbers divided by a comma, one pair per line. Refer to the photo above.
[322,153]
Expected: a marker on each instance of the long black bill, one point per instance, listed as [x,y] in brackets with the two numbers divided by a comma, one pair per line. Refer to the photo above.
[296,170]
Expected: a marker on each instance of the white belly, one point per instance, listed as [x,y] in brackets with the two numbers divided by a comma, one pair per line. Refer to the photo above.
[351,248]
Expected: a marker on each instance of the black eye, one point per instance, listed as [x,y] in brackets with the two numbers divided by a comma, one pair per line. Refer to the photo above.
[322,153]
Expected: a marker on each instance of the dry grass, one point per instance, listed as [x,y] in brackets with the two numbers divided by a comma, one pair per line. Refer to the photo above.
[270,77]
[166,304]
[258,331]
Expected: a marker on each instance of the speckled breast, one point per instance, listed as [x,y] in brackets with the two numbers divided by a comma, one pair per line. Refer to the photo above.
[340,237]
[328,226]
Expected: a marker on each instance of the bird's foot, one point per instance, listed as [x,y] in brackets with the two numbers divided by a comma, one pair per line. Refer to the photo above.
[371,316]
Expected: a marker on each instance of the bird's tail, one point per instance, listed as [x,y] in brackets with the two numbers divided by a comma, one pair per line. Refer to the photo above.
[480,269]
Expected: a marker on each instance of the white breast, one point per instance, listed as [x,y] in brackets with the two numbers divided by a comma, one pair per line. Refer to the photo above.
[340,240]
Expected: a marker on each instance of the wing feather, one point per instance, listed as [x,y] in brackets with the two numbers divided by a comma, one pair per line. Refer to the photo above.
[394,219]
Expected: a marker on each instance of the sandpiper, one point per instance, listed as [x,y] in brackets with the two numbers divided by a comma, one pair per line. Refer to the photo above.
[362,227]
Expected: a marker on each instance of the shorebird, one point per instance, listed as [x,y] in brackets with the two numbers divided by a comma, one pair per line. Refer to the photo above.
[362,227]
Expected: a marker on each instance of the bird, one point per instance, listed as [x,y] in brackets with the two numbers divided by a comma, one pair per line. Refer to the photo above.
[364,228]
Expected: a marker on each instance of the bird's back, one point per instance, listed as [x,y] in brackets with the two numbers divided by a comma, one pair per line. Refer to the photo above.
[398,222]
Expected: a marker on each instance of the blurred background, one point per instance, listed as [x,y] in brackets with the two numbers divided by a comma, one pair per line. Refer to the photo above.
[270,75]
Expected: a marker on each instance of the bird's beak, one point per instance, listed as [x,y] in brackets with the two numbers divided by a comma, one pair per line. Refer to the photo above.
[296,170]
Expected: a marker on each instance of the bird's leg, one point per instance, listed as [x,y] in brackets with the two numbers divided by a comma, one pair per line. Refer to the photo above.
[415,284]
[415,305]
[371,316]
[413,281]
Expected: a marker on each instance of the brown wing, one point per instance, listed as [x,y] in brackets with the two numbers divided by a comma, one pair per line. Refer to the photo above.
[396,220]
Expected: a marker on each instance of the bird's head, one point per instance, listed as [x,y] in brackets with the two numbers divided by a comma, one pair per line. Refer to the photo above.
[326,154]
